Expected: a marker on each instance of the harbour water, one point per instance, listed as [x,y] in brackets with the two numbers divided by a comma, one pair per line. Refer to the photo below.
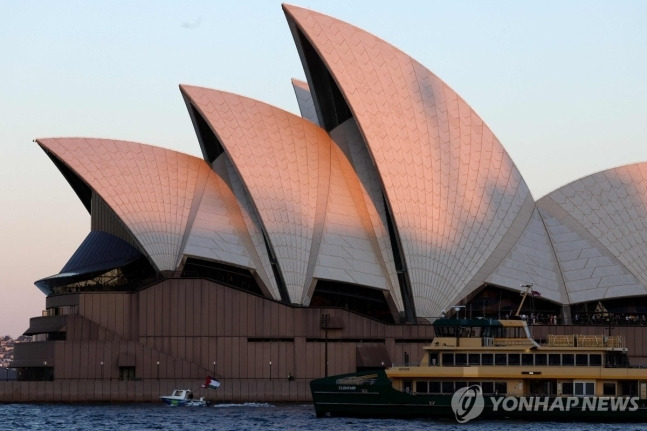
[250,416]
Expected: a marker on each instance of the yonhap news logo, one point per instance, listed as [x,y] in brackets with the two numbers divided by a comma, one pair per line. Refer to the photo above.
[468,403]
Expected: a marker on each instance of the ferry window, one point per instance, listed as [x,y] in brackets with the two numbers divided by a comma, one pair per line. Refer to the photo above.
[475,359]
[527,359]
[407,385]
[459,385]
[595,360]
[487,359]
[448,387]
[568,359]
[500,387]
[589,387]
[448,359]
[609,388]
[433,359]
[615,359]
[513,359]
[567,388]
[488,387]
[629,388]
[581,359]
[541,359]
[554,359]
[421,387]
[460,359]
[434,387]
[500,359]
[586,389]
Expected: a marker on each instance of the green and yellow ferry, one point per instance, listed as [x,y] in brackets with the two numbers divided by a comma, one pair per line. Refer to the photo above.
[492,368]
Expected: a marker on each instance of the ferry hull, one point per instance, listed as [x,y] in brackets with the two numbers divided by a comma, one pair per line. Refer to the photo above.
[372,395]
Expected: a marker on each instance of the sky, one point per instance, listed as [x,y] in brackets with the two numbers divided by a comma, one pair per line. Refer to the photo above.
[561,83]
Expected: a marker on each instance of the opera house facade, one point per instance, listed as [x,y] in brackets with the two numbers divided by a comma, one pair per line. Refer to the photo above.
[300,246]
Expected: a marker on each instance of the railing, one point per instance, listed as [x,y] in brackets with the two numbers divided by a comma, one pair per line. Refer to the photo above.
[585,341]
[511,341]
[560,340]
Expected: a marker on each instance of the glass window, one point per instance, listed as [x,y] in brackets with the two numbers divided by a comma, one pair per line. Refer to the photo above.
[475,359]
[568,359]
[126,373]
[609,388]
[433,359]
[527,359]
[488,387]
[581,359]
[554,359]
[628,388]
[460,359]
[487,359]
[567,388]
[448,359]
[434,387]
[500,359]
[595,360]
[513,359]
[459,385]
[408,385]
[448,387]
[541,359]
[421,387]
[500,388]
[582,389]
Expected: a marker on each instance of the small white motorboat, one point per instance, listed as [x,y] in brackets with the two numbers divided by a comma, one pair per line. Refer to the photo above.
[180,397]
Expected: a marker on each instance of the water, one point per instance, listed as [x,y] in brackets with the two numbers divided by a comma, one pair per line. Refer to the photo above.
[250,416]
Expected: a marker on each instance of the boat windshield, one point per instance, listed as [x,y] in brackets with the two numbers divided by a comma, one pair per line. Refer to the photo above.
[507,332]
[458,331]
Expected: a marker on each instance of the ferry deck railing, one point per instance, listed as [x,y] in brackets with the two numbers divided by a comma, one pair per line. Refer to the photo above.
[585,341]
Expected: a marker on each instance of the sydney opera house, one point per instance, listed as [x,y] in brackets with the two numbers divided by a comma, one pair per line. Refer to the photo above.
[300,246]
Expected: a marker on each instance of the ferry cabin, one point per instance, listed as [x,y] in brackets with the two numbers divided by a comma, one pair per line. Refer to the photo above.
[502,357]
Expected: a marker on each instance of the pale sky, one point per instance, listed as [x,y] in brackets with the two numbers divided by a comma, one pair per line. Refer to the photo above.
[562,84]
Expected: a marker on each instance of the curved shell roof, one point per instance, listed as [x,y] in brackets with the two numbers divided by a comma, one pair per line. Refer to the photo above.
[304,99]
[599,232]
[390,181]
[151,189]
[158,194]
[453,190]
[307,195]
